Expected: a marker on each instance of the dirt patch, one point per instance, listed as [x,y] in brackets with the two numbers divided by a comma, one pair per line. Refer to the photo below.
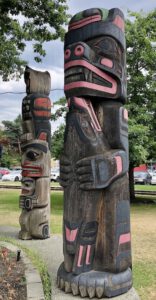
[12,276]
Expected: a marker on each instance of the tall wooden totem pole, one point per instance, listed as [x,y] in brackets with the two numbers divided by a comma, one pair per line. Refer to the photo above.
[35,141]
[94,164]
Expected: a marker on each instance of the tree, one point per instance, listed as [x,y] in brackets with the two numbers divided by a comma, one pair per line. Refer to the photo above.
[9,155]
[57,142]
[141,66]
[13,131]
[32,20]
[61,110]
[58,136]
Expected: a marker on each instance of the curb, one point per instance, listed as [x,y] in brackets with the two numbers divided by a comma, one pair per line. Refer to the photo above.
[33,279]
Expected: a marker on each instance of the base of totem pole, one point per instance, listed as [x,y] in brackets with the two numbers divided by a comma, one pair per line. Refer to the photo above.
[94,283]
[40,234]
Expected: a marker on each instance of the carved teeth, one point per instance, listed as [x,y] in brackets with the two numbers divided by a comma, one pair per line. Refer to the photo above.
[67,287]
[75,289]
[91,292]
[83,291]
[86,73]
[58,281]
[99,292]
[62,284]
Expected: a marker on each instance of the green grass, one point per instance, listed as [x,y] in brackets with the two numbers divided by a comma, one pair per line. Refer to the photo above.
[18,183]
[56,212]
[144,274]
[10,211]
[143,187]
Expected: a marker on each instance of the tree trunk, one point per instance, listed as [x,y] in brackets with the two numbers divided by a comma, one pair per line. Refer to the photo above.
[19,146]
[131,183]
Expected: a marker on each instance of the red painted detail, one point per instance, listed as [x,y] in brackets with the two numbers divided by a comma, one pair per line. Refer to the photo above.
[43,136]
[42,113]
[83,22]
[124,238]
[67,54]
[118,164]
[25,191]
[27,173]
[88,106]
[84,84]
[107,62]
[119,22]
[70,234]
[88,255]
[79,50]
[83,63]
[125,114]
[31,171]
[42,103]
[80,256]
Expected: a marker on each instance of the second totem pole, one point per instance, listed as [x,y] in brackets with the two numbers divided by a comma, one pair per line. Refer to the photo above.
[36,158]
[94,163]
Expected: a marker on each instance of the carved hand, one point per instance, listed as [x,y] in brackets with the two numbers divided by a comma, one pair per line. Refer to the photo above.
[97,172]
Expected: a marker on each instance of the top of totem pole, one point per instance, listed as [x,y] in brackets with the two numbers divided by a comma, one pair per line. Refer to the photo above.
[37,81]
[95,22]
[95,55]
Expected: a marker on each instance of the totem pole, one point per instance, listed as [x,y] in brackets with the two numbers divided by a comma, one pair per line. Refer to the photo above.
[94,163]
[35,145]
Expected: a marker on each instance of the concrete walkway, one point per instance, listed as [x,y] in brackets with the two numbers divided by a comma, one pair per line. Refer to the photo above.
[51,252]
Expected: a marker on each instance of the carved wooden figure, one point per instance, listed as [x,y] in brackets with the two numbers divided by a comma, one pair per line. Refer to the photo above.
[94,164]
[35,144]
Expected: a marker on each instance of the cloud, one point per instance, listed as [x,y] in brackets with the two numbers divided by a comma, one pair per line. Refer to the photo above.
[11,103]
[77,6]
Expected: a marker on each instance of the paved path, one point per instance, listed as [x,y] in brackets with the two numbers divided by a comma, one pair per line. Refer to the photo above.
[51,252]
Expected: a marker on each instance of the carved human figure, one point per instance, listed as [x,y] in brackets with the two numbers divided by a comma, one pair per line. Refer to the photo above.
[94,163]
[35,145]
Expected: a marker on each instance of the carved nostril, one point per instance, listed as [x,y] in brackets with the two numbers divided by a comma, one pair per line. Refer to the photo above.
[79,50]
[67,54]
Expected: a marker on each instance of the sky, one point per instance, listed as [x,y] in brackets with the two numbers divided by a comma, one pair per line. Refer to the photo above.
[10,104]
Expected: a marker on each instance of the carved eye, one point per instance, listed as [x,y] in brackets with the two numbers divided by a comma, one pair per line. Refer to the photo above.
[67,54]
[32,155]
[79,50]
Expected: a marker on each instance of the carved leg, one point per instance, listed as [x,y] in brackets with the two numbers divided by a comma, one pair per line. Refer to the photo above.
[34,224]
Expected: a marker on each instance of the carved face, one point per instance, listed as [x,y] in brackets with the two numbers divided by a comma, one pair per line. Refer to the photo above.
[35,159]
[94,66]
[28,186]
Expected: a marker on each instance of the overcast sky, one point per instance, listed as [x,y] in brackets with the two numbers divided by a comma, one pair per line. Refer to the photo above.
[10,104]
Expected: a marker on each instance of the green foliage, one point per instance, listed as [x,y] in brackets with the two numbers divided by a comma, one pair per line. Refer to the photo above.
[10,157]
[61,110]
[141,66]
[32,20]
[57,142]
[13,130]
[58,136]
[11,154]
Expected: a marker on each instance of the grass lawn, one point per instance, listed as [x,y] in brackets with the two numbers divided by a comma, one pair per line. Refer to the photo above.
[143,223]
[18,183]
[143,187]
